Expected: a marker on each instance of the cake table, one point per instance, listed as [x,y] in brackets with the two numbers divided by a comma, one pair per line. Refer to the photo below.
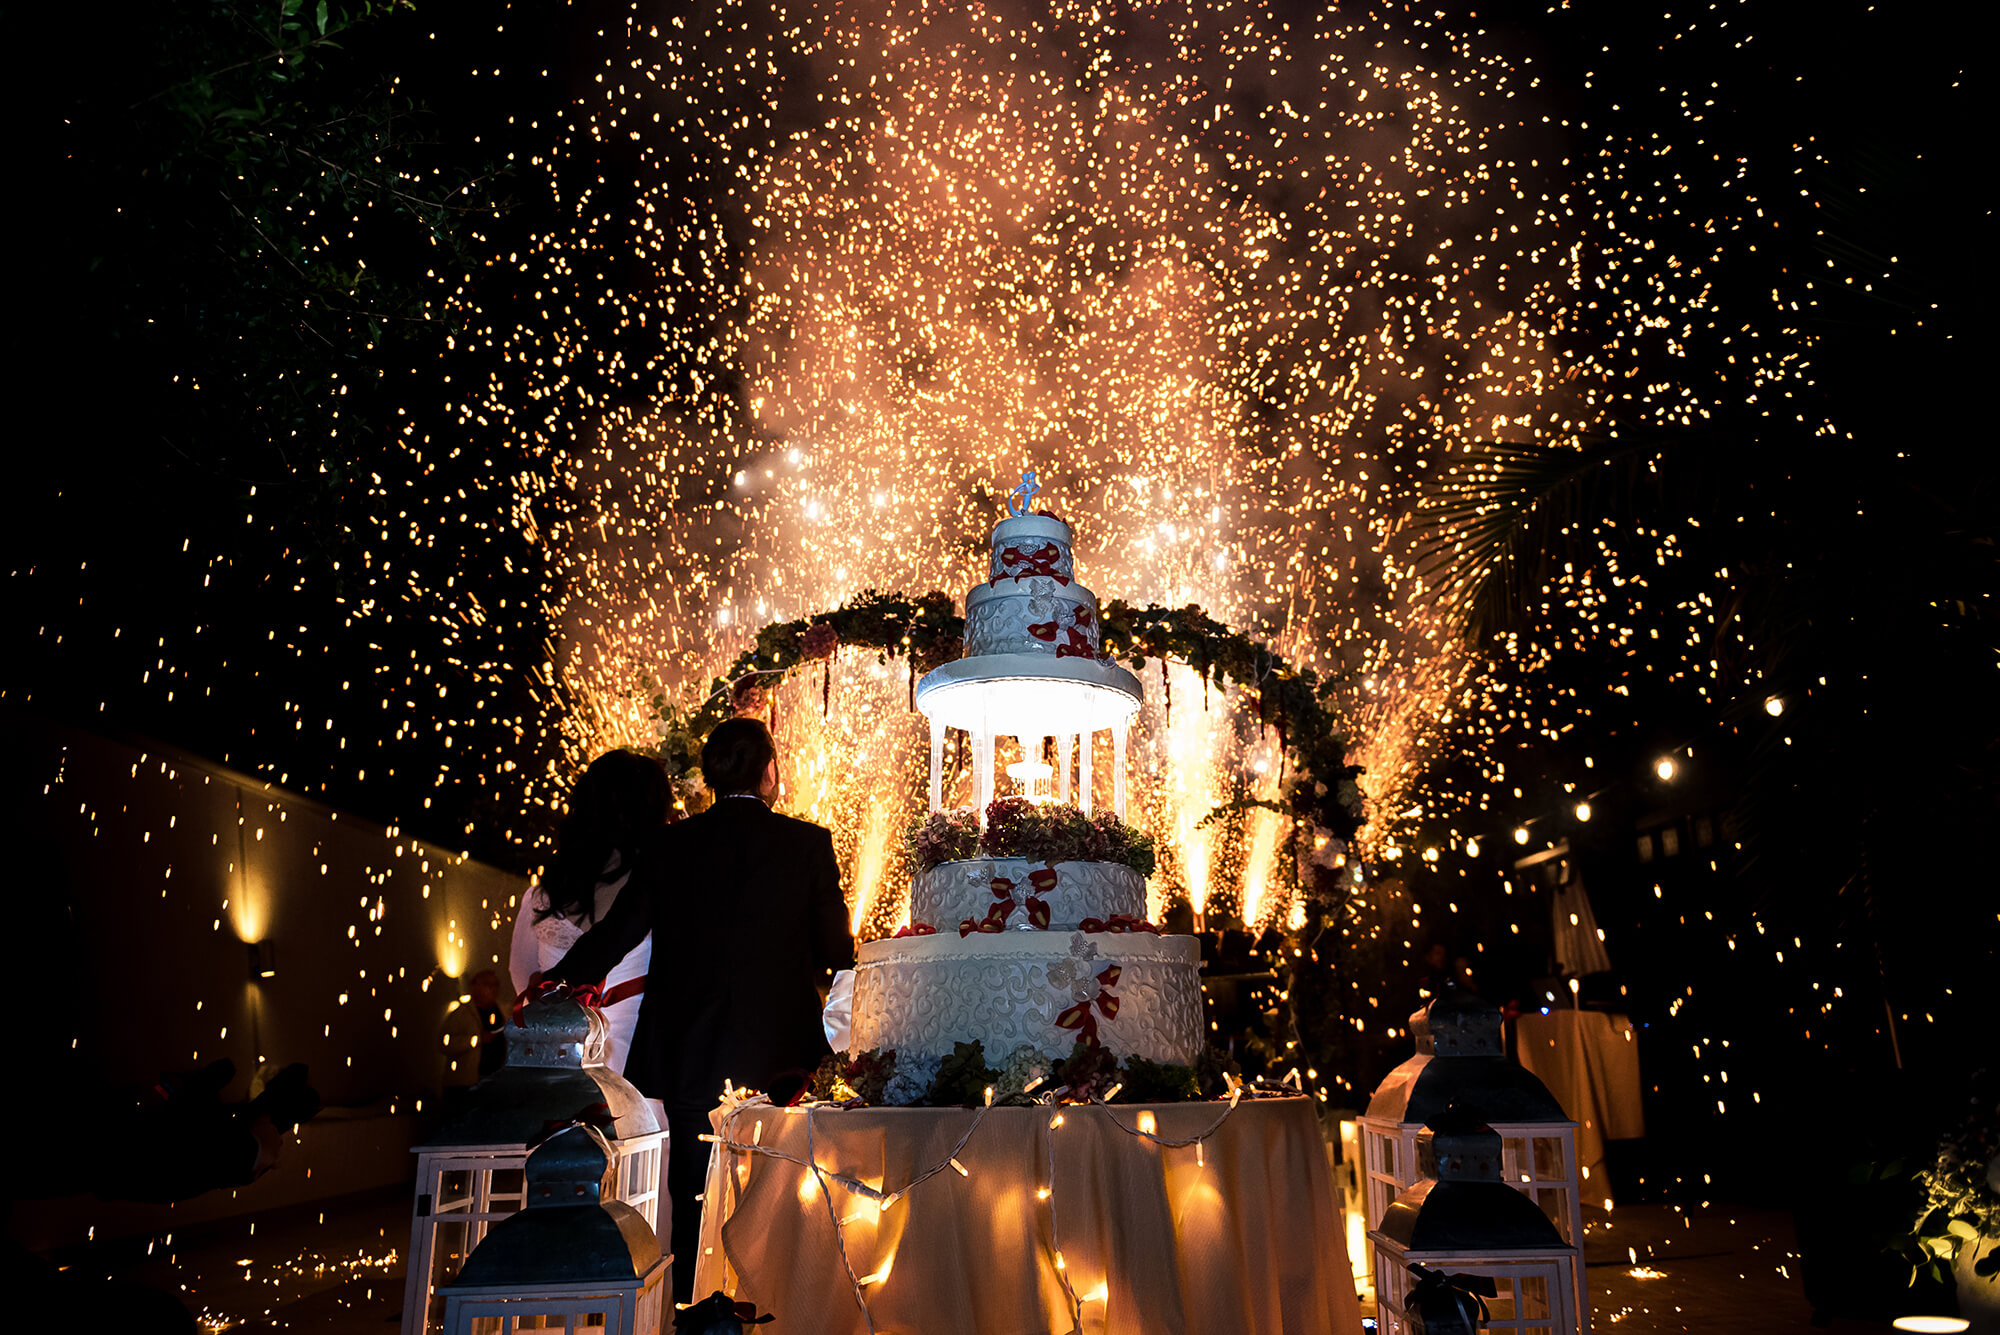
[1240,1233]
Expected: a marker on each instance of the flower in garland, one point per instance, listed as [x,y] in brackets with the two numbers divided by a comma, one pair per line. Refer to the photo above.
[819,641]
[748,698]
[1051,832]
[1022,1067]
[963,1077]
[1090,1070]
[943,836]
[911,1084]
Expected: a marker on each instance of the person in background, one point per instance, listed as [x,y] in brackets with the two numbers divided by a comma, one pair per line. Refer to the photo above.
[750,901]
[621,800]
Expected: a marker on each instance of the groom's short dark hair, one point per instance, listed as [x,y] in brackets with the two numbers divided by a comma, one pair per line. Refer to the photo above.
[735,754]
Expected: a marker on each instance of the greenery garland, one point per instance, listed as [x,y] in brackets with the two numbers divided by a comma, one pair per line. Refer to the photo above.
[1320,795]
[926,632]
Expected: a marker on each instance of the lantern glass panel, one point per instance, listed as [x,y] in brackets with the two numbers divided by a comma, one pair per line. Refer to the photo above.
[1533,1296]
[454,1194]
[449,1250]
[507,1187]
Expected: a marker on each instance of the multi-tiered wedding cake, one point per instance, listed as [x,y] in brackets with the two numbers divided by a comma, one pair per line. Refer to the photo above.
[1009,950]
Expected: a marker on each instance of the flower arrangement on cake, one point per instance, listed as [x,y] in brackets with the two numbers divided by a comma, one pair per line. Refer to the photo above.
[1025,1076]
[1038,831]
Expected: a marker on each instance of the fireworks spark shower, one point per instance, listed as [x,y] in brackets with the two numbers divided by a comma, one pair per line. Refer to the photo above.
[1236,282]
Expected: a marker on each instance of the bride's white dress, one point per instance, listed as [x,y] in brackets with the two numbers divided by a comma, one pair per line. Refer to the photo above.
[539,942]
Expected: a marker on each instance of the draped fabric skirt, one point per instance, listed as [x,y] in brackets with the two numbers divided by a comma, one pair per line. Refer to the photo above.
[1241,1234]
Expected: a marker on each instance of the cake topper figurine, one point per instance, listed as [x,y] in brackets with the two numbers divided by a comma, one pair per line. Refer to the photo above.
[1026,492]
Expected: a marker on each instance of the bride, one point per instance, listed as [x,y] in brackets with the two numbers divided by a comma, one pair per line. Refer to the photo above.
[621,798]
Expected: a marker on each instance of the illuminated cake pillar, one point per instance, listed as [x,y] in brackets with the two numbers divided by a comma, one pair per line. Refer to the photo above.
[1034,666]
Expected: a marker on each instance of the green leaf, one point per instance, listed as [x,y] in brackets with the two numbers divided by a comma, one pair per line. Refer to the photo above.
[320,15]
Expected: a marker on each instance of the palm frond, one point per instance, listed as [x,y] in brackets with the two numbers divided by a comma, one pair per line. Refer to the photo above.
[1491,529]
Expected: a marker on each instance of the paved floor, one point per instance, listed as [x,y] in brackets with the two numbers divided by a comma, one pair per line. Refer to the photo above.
[339,1268]
[1657,1268]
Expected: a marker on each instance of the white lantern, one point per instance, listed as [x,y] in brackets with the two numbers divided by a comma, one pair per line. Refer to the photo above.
[570,1259]
[1458,1218]
[1460,1056]
[471,1176]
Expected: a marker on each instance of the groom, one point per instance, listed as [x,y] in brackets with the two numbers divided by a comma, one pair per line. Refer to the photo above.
[748,924]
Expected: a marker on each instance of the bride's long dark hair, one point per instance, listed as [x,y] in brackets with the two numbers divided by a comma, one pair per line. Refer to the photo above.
[620,799]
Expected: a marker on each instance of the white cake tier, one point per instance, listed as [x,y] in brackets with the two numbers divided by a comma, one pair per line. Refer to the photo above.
[1031,545]
[1028,695]
[924,994]
[951,892]
[1033,614]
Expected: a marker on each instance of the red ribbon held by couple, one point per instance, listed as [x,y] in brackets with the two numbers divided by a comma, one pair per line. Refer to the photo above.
[590,996]
[1079,1018]
[1042,562]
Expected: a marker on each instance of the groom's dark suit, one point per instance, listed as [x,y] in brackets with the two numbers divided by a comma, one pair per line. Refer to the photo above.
[747,920]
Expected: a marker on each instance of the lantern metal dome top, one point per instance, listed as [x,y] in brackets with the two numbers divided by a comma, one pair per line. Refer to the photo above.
[554,1073]
[566,1232]
[1461,1203]
[1460,1057]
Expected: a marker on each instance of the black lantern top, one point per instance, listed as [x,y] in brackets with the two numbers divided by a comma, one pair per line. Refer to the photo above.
[1460,1057]
[555,1073]
[1461,1204]
[566,1233]
[1458,1023]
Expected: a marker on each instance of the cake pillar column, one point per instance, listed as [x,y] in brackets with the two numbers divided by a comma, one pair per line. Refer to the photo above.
[937,764]
[982,760]
[1084,739]
[1118,731]
[1063,744]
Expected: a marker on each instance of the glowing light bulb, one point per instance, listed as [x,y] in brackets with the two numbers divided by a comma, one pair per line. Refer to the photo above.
[1520,834]
[1583,811]
[1774,705]
[1665,769]
[1033,776]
